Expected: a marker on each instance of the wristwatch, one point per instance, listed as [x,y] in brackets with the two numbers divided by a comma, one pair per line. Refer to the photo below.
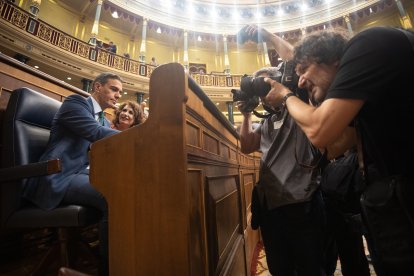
[287,96]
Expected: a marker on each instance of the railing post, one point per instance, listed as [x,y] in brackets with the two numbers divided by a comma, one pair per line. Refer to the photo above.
[230,114]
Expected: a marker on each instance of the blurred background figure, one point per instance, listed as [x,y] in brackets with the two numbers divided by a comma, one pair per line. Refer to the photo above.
[112,47]
[145,109]
[153,62]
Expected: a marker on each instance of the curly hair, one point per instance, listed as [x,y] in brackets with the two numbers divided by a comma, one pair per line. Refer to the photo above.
[136,108]
[325,46]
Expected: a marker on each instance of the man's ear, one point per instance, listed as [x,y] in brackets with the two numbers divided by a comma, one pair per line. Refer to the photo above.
[96,87]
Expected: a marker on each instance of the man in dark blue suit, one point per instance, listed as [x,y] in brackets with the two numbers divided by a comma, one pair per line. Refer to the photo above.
[78,123]
[112,47]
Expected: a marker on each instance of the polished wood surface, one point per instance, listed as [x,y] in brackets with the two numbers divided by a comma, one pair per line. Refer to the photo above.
[177,186]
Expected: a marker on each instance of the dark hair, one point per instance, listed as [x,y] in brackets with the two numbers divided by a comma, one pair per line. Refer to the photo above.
[136,108]
[325,46]
[104,77]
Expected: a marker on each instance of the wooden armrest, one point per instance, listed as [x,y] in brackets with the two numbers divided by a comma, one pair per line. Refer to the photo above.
[30,170]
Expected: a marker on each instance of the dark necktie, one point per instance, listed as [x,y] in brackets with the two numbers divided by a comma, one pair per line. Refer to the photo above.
[101,118]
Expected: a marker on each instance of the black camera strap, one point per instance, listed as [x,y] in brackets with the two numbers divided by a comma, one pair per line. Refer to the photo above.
[270,112]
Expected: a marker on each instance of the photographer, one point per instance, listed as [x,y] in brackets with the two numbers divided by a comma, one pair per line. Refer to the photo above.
[366,79]
[291,216]
[287,204]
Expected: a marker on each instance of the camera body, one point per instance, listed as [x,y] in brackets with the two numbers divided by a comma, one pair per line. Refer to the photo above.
[251,89]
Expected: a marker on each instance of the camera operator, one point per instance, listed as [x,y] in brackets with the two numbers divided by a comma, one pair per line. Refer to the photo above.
[287,203]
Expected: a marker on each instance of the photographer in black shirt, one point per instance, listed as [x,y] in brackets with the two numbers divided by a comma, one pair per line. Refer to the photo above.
[370,81]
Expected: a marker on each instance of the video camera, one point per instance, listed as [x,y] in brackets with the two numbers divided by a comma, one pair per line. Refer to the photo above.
[251,89]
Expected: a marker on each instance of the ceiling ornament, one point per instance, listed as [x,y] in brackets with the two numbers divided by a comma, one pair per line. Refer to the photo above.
[169,21]
[217,16]
[122,14]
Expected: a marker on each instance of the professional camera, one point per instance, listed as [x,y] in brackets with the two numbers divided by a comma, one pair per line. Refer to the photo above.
[252,88]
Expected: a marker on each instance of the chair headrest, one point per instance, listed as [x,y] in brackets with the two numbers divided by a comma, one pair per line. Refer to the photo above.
[27,122]
[32,107]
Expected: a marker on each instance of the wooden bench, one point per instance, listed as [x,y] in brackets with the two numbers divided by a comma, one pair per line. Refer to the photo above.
[177,186]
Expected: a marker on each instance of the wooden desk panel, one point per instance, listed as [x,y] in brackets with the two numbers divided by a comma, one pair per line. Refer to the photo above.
[176,201]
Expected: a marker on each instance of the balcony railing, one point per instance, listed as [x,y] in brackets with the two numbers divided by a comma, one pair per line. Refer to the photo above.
[23,20]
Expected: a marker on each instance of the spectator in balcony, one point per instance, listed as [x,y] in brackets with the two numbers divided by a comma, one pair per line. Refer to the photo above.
[126,55]
[99,43]
[128,114]
[111,48]
[153,62]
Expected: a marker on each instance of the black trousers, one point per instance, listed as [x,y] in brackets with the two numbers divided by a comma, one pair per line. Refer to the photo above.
[293,237]
[344,241]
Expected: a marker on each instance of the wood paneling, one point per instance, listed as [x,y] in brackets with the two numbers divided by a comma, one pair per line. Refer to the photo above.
[177,205]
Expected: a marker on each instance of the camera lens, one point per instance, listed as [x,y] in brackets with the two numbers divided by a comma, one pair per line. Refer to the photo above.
[261,87]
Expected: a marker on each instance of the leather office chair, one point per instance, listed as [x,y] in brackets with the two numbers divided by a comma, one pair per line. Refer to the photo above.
[26,131]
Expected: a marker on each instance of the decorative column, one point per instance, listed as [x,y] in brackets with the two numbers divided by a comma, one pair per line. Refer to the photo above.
[348,24]
[404,17]
[266,54]
[95,27]
[86,85]
[34,7]
[185,58]
[140,97]
[230,112]
[226,56]
[142,50]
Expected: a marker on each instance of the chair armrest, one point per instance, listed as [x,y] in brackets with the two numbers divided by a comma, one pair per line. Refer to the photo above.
[30,170]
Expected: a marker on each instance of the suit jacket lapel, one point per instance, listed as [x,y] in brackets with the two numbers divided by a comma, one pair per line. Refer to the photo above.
[89,100]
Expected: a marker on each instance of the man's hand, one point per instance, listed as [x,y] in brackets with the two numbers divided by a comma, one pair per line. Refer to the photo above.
[241,105]
[277,92]
[256,31]
[248,105]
